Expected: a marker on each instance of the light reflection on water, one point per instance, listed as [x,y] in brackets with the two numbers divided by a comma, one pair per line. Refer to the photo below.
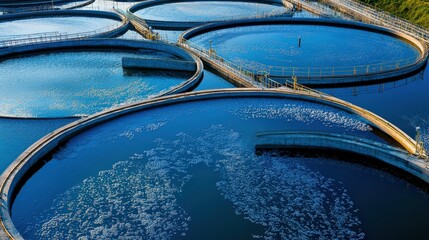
[74,84]
[198,11]
[62,25]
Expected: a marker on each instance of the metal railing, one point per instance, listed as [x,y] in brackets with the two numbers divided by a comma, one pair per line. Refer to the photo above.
[45,7]
[27,39]
[18,36]
[139,24]
[288,72]
[261,78]
[248,74]
[369,14]
[313,8]
[284,71]
[271,14]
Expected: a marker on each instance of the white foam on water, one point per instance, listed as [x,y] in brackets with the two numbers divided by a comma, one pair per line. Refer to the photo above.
[308,113]
[126,202]
[137,198]
[131,132]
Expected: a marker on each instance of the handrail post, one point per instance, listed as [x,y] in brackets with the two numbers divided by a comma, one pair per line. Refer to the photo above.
[420,149]
[295,81]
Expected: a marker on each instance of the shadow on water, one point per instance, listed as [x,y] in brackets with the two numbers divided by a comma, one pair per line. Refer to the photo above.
[346,157]
[387,210]
[402,102]
[373,87]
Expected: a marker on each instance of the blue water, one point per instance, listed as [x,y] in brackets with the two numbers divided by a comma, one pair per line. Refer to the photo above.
[130,34]
[168,35]
[125,177]
[213,81]
[274,48]
[61,25]
[75,84]
[18,134]
[389,207]
[204,181]
[206,11]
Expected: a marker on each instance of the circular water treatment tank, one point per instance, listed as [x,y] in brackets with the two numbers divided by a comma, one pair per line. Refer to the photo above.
[316,51]
[25,28]
[35,4]
[167,14]
[176,169]
[78,78]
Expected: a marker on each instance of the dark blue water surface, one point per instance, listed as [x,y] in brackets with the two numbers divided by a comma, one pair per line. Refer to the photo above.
[18,134]
[403,102]
[129,177]
[213,81]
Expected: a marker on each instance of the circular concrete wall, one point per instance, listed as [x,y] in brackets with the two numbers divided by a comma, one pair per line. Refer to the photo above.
[8,7]
[111,25]
[320,75]
[26,3]
[115,79]
[184,24]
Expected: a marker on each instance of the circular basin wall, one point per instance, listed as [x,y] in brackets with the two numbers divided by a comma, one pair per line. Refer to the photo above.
[146,174]
[79,81]
[204,11]
[32,3]
[55,23]
[308,48]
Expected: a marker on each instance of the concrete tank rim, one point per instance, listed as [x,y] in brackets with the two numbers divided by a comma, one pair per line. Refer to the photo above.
[46,144]
[120,28]
[68,12]
[41,3]
[413,42]
[184,25]
[107,44]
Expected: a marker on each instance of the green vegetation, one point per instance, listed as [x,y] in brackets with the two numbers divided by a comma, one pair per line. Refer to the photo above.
[416,11]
